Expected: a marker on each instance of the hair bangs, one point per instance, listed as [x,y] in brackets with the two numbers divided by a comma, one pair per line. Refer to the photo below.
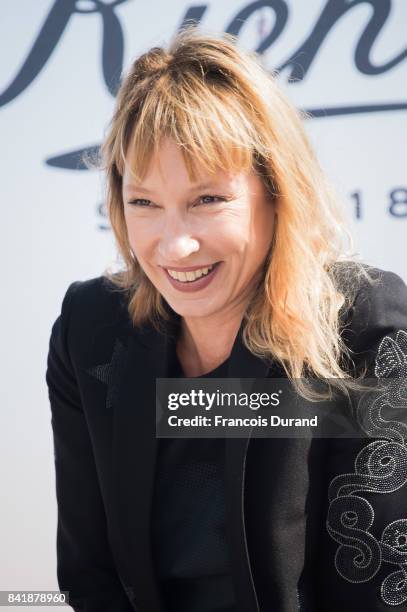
[212,133]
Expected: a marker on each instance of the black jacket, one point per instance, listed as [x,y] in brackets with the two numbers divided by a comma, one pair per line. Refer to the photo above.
[312,525]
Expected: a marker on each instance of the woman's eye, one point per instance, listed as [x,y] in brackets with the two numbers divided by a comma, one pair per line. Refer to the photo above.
[213,198]
[147,203]
[137,202]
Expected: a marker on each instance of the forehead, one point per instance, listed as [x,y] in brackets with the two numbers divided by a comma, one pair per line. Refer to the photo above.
[167,166]
[169,162]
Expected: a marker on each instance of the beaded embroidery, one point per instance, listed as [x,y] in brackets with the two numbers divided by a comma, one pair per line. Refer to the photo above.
[380,467]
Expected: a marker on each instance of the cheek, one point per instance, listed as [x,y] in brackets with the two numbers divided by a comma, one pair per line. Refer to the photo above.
[138,234]
[256,237]
[249,235]
[232,232]
[264,225]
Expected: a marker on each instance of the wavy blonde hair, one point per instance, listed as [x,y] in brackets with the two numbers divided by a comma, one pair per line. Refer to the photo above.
[225,111]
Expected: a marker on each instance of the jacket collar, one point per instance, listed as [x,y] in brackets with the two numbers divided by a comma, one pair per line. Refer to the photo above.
[146,357]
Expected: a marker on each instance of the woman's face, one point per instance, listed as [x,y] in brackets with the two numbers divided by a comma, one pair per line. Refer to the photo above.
[176,225]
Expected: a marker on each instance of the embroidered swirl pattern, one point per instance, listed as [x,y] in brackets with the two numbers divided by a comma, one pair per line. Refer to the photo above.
[380,467]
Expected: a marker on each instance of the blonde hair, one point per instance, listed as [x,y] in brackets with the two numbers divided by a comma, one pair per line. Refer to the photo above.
[226,112]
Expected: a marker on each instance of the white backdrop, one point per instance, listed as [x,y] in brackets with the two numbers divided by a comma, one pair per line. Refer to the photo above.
[347,62]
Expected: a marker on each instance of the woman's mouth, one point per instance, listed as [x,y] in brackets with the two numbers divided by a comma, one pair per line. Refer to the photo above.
[192,281]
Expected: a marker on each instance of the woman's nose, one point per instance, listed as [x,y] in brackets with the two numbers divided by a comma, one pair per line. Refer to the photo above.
[176,248]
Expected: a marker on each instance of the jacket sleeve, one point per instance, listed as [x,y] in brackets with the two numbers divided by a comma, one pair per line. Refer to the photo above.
[363,556]
[85,566]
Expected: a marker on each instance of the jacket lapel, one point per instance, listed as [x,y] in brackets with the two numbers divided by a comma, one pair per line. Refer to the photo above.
[133,459]
[242,364]
[134,455]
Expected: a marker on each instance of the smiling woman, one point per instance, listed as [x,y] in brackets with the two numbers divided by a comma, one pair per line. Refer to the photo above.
[236,264]
[205,258]
[205,111]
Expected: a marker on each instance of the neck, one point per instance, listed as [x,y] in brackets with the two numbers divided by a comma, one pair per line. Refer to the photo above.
[206,342]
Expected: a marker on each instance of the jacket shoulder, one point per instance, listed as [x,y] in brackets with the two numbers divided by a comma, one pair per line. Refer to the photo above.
[377,309]
[89,307]
[96,301]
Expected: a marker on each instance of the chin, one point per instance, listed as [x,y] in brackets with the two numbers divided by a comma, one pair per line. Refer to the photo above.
[190,310]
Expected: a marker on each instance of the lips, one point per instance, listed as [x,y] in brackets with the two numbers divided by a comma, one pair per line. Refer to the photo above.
[190,276]
[195,285]
[190,268]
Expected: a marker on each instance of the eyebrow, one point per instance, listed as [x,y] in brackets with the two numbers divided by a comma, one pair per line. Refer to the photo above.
[196,187]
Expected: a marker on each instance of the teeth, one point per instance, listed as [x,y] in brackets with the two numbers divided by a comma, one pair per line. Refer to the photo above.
[187,277]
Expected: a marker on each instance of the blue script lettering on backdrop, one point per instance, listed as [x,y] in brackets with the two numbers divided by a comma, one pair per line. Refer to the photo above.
[297,65]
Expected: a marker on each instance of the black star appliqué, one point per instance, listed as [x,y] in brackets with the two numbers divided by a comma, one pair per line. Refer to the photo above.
[108,373]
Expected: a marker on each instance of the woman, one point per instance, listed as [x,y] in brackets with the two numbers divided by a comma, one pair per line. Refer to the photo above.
[235,265]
